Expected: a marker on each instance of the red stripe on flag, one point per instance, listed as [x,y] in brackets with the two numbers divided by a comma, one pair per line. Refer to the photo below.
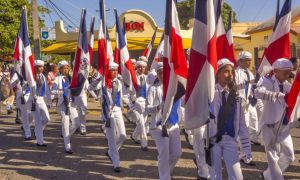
[31,60]
[211,53]
[91,55]
[102,59]
[166,76]
[224,50]
[292,96]
[195,67]
[177,55]
[117,58]
[16,51]
[130,68]
[74,80]
[279,49]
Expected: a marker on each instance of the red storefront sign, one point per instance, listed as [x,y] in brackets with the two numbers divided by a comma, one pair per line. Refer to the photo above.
[135,26]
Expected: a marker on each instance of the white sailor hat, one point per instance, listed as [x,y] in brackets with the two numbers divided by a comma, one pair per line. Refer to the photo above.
[143,58]
[223,62]
[159,66]
[244,55]
[133,61]
[141,63]
[113,66]
[39,63]
[282,64]
[63,63]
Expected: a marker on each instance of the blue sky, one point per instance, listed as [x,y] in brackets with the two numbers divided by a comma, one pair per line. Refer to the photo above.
[247,10]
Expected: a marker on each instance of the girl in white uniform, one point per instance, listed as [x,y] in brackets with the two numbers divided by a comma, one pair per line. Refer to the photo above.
[228,125]
[68,113]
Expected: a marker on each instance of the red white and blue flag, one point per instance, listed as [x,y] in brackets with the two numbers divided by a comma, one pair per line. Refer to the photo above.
[202,66]
[102,52]
[279,43]
[24,61]
[91,39]
[82,59]
[174,65]
[147,51]
[293,100]
[159,52]
[225,47]
[127,69]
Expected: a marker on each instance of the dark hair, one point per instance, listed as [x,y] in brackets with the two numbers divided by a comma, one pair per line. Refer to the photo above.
[294,59]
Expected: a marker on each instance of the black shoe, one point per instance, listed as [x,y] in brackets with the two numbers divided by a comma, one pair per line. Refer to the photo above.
[41,145]
[69,151]
[28,138]
[117,169]
[145,148]
[61,136]
[83,133]
[108,156]
[18,121]
[22,128]
[250,163]
[262,176]
[256,143]
[10,111]
[135,141]
[201,178]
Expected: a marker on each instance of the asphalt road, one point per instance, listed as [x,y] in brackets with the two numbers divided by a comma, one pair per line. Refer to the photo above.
[22,160]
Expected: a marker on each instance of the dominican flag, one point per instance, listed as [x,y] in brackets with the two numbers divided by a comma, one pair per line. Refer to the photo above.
[127,69]
[174,65]
[229,36]
[293,100]
[158,53]
[147,51]
[102,54]
[82,59]
[224,39]
[91,39]
[202,67]
[279,43]
[22,53]
[117,52]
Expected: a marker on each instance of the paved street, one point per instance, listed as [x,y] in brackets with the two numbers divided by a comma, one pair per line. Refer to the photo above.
[22,160]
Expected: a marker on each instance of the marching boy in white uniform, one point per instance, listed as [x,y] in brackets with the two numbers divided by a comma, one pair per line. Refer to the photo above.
[169,148]
[275,128]
[41,96]
[115,127]
[244,80]
[228,125]
[68,113]
[138,106]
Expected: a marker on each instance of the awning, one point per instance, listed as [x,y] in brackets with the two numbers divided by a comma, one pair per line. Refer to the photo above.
[133,45]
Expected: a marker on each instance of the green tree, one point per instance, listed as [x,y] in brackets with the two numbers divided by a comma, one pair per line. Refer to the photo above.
[186,12]
[10,14]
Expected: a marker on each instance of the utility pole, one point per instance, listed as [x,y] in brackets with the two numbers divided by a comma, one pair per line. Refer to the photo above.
[36,30]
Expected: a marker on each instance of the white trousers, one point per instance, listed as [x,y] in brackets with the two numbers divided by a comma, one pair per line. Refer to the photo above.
[251,119]
[169,150]
[198,146]
[41,118]
[67,129]
[25,112]
[140,129]
[227,149]
[81,103]
[282,156]
[116,135]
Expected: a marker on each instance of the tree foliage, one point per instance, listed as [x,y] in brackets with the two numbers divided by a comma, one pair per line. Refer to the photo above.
[10,17]
[186,12]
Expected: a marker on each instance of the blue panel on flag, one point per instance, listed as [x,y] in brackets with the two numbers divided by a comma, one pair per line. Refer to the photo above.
[201,11]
